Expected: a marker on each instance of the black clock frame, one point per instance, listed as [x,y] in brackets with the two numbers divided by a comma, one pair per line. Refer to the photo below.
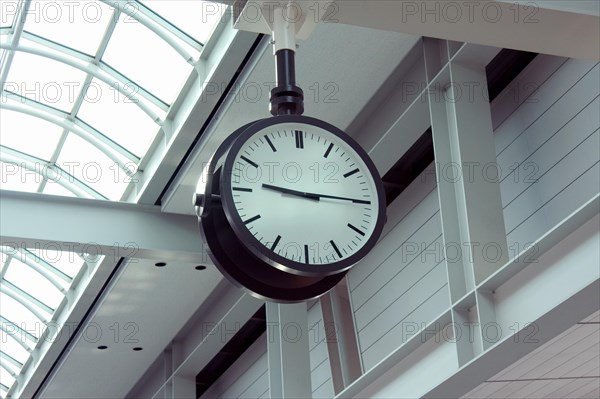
[265,254]
[235,260]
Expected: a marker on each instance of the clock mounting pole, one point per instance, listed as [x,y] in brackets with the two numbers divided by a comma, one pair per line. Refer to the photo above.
[286,97]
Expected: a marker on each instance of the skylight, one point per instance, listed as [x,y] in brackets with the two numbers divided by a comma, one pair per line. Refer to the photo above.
[86,88]
[99,73]
[33,285]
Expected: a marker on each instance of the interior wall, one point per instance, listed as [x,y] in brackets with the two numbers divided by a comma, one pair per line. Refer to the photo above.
[547,145]
[546,125]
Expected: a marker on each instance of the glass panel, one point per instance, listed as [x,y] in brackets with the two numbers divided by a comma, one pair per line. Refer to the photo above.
[92,167]
[21,316]
[6,378]
[9,12]
[28,134]
[117,117]
[79,25]
[67,262]
[144,57]
[12,347]
[13,177]
[44,80]
[33,283]
[54,188]
[196,18]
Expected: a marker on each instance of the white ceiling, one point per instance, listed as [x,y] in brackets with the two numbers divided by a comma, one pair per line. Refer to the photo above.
[146,308]
[568,366]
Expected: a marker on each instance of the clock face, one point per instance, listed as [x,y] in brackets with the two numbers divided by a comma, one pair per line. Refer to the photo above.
[303,195]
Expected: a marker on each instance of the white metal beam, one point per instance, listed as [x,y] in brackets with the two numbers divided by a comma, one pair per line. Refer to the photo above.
[530,27]
[469,194]
[547,27]
[340,337]
[512,348]
[98,227]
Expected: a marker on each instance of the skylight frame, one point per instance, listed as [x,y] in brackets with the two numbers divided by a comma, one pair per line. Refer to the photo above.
[160,112]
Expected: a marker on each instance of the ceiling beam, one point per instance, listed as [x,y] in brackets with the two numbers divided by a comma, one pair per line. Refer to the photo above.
[98,227]
[547,27]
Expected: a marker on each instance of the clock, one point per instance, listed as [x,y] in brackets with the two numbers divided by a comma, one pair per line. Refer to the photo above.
[291,203]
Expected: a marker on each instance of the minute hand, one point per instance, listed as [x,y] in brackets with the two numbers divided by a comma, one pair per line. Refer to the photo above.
[313,195]
[292,192]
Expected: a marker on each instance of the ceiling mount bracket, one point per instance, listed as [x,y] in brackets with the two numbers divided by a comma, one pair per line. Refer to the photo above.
[286,97]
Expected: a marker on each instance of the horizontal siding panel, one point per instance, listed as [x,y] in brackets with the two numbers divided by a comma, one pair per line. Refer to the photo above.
[411,273]
[257,388]
[320,376]
[559,163]
[325,391]
[316,330]
[546,156]
[553,138]
[246,377]
[402,307]
[552,90]
[392,267]
[574,116]
[570,192]
[402,232]
[522,89]
[423,314]
[318,355]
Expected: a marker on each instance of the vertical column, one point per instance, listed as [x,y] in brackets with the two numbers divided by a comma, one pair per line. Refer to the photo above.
[182,386]
[467,175]
[481,219]
[177,386]
[287,350]
[341,337]
[168,373]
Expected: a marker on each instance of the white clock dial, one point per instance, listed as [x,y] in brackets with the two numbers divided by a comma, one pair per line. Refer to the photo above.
[304,193]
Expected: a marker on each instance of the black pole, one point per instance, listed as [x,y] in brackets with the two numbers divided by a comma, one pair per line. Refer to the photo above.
[286,97]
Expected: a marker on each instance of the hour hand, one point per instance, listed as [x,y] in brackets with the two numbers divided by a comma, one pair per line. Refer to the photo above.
[292,192]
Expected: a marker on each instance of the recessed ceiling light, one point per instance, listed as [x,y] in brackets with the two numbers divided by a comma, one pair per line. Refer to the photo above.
[102,347]
[200,267]
[160,264]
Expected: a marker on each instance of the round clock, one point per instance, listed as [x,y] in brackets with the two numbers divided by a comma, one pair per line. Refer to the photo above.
[290,205]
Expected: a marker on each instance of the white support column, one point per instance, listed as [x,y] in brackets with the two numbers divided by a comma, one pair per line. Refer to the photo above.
[287,350]
[481,218]
[341,337]
[468,189]
[182,385]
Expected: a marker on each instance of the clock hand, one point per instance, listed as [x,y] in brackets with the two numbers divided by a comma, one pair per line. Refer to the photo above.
[290,191]
[313,195]
[356,201]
